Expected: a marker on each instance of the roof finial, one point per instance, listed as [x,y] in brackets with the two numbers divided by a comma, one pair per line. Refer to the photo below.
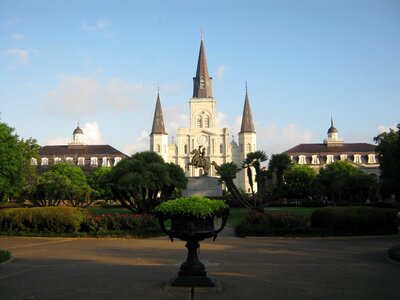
[246,87]
[331,121]
[158,87]
[201,30]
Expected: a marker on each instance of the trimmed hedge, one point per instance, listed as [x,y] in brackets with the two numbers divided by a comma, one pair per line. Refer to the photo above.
[41,220]
[4,255]
[270,224]
[356,220]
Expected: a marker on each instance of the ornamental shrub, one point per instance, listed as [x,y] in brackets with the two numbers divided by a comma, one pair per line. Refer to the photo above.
[41,220]
[270,223]
[356,220]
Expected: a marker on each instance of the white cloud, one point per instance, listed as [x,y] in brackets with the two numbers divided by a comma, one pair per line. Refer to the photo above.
[91,135]
[77,95]
[141,143]
[101,25]
[221,72]
[19,56]
[384,128]
[17,37]
[274,139]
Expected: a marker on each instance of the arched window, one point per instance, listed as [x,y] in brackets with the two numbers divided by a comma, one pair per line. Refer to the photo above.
[198,122]
[158,148]
[185,149]
[248,147]
[221,148]
[206,122]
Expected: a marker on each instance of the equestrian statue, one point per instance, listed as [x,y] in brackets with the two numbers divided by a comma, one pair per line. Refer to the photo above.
[199,160]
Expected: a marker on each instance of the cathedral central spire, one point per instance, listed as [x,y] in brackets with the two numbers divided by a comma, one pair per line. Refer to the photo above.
[247,118]
[202,83]
[158,120]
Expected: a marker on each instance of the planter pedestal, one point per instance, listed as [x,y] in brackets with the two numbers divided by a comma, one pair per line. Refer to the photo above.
[192,272]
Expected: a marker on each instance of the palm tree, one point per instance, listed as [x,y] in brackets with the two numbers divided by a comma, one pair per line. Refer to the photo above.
[277,166]
[227,173]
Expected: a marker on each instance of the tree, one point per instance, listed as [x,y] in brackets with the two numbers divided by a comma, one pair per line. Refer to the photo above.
[227,173]
[342,182]
[388,149]
[277,166]
[97,181]
[254,160]
[142,181]
[63,183]
[15,163]
[299,182]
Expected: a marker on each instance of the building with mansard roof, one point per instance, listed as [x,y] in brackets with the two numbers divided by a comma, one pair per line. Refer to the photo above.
[203,131]
[333,148]
[78,153]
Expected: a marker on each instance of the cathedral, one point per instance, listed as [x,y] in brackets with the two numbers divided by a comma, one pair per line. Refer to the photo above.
[203,133]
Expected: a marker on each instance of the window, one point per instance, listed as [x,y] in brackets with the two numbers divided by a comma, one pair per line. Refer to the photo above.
[33,161]
[315,160]
[357,159]
[57,160]
[371,159]
[291,158]
[221,149]
[302,160]
[45,161]
[117,160]
[158,148]
[93,161]
[248,148]
[69,160]
[185,148]
[206,122]
[329,158]
[202,82]
[81,161]
[343,156]
[198,122]
[105,162]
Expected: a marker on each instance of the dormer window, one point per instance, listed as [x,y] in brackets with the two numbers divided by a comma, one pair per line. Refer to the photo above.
[33,161]
[371,159]
[81,161]
[93,161]
[315,160]
[117,160]
[343,156]
[357,159]
[57,160]
[105,162]
[302,160]
[329,159]
[44,161]
[69,160]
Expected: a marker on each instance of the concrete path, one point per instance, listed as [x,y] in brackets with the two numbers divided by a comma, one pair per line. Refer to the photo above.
[250,268]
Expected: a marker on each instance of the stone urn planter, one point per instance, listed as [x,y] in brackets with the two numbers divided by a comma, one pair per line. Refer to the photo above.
[192,220]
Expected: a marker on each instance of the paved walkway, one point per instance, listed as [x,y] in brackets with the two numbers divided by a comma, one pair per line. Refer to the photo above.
[250,268]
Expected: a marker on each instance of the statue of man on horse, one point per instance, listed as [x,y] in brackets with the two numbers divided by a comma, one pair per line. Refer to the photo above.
[199,160]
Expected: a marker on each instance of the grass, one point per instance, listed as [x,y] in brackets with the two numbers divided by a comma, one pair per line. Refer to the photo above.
[4,256]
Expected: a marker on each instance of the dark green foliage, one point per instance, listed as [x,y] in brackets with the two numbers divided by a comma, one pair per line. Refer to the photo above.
[300,183]
[16,171]
[356,220]
[4,256]
[388,149]
[270,223]
[143,180]
[121,224]
[97,181]
[277,167]
[196,206]
[41,219]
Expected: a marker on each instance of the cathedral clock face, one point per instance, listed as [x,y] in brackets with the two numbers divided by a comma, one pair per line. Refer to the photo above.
[201,140]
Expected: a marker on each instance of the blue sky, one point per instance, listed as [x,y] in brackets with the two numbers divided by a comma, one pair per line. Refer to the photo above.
[100,62]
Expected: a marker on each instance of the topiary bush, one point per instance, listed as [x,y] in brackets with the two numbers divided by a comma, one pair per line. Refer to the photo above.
[270,223]
[356,220]
[41,220]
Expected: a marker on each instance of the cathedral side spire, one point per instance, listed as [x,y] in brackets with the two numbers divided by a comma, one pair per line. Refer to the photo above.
[202,83]
[158,121]
[247,118]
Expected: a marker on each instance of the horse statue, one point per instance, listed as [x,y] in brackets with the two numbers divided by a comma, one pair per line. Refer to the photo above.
[199,161]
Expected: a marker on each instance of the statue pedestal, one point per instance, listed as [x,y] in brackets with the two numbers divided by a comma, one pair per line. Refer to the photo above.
[203,186]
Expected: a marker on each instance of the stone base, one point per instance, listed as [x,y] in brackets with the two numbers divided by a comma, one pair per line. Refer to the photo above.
[203,186]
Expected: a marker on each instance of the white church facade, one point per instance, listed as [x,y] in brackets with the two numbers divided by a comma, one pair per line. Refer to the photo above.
[203,132]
